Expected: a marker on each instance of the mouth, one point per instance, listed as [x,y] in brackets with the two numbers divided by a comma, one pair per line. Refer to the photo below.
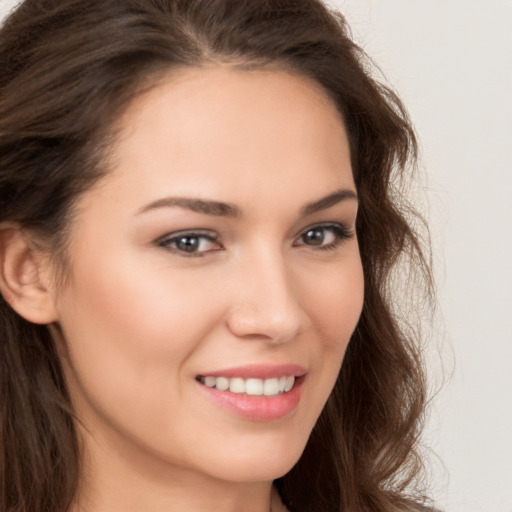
[256,392]
[252,387]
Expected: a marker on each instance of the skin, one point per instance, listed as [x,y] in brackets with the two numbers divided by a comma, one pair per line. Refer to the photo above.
[138,320]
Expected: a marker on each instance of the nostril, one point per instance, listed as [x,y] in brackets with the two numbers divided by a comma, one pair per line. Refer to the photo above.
[269,324]
[266,305]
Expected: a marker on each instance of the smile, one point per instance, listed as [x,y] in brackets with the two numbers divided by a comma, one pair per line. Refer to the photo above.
[252,386]
[258,392]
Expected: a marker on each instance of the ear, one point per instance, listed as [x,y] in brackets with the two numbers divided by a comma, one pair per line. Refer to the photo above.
[25,280]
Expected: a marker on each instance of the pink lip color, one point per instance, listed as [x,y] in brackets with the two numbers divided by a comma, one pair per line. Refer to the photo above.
[260,371]
[263,408]
[257,407]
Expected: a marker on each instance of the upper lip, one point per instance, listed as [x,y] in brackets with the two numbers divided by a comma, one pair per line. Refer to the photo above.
[259,371]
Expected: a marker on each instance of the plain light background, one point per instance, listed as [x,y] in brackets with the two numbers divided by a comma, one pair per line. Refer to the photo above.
[451,63]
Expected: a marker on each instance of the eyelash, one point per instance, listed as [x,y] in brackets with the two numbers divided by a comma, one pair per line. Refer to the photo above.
[167,241]
[339,231]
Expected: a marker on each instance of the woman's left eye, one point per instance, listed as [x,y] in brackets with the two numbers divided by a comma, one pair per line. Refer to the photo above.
[324,236]
[190,243]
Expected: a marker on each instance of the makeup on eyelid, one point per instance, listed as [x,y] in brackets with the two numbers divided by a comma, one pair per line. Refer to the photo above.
[187,242]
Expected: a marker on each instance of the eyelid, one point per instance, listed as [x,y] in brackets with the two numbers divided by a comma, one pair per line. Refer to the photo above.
[341,231]
[326,225]
[166,240]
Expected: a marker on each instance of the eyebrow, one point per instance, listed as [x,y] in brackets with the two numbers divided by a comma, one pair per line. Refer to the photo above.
[328,201]
[204,206]
[220,209]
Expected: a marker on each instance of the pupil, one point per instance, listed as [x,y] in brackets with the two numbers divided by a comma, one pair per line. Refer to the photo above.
[187,243]
[314,237]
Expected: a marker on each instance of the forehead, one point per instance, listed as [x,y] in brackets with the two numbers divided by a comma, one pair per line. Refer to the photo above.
[223,89]
[224,132]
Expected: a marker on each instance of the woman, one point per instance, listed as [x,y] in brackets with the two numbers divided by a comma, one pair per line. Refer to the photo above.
[197,216]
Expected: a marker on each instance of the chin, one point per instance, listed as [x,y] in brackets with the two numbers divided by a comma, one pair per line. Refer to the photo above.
[256,471]
[259,463]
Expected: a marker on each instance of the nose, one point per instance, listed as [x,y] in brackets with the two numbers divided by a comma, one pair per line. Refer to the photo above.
[267,301]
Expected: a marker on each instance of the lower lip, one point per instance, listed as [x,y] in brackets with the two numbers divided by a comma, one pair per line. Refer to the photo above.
[263,408]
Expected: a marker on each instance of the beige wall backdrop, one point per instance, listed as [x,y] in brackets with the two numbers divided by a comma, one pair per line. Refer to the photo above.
[451,62]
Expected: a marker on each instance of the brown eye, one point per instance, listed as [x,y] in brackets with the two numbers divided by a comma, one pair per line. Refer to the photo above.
[314,236]
[187,243]
[193,244]
[324,236]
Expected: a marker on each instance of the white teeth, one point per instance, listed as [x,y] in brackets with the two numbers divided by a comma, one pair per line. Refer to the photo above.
[254,387]
[271,387]
[237,385]
[290,381]
[210,382]
[222,383]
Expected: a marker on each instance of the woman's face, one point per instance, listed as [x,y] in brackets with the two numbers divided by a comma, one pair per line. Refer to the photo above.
[219,251]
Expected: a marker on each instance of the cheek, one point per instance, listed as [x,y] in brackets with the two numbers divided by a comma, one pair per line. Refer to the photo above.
[334,307]
[336,302]
[139,306]
[129,330]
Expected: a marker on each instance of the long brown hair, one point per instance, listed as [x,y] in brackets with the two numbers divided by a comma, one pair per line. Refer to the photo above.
[68,68]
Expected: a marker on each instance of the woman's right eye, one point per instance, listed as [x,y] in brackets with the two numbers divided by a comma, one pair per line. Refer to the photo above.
[191,243]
